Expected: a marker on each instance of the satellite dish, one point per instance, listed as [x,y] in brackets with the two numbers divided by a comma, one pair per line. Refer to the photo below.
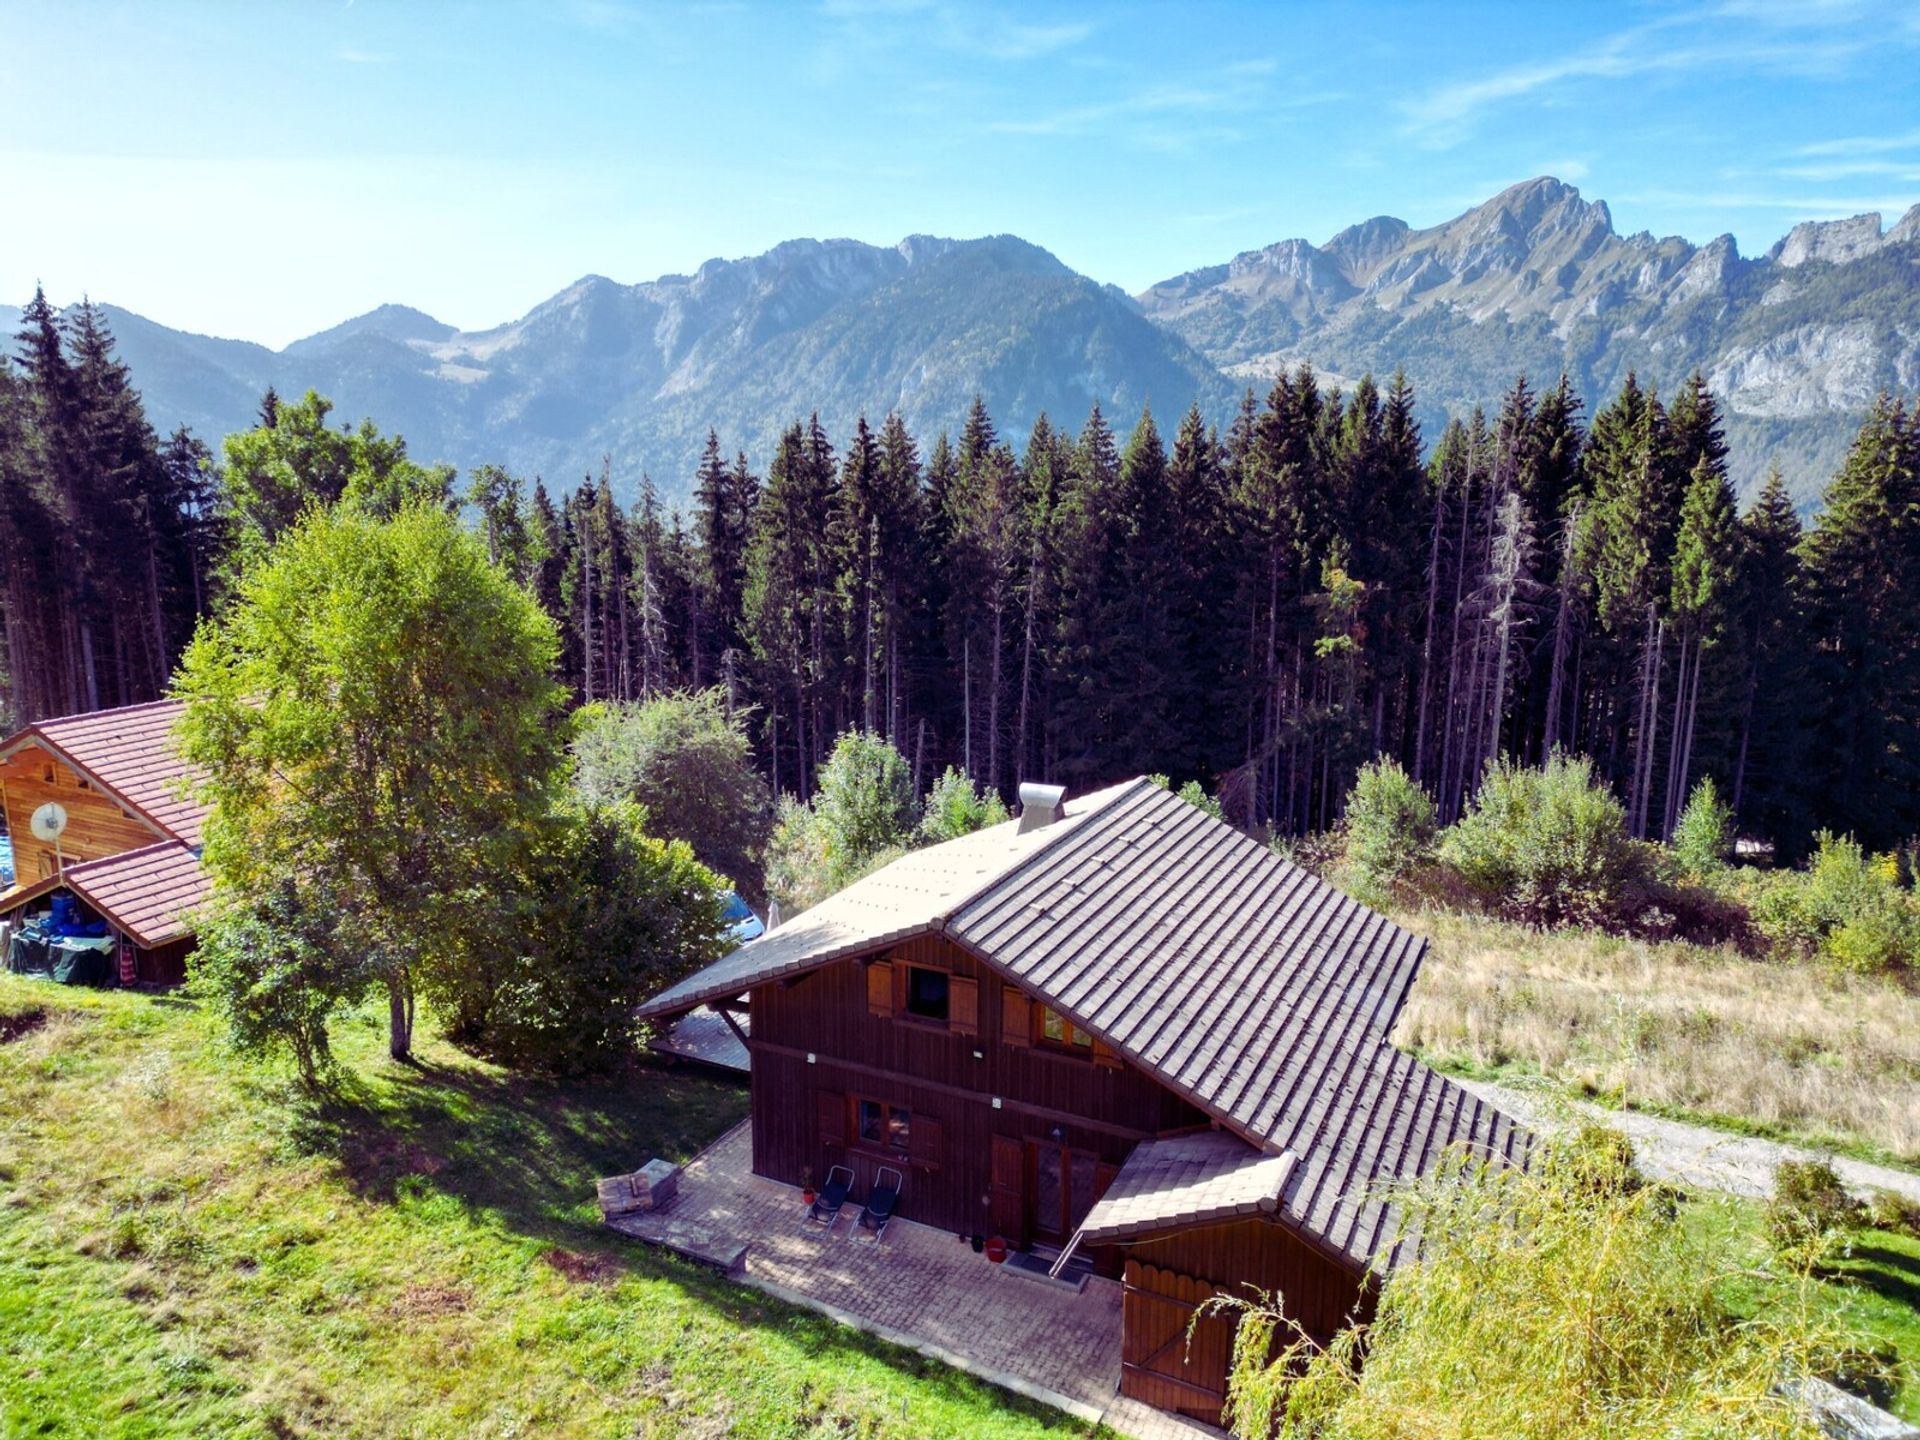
[49,821]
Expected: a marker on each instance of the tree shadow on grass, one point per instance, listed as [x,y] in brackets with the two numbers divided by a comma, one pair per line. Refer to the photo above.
[527,1151]
[1889,1273]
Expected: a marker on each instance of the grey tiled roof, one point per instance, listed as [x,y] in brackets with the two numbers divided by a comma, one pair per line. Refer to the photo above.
[1255,989]
[1186,1180]
[911,896]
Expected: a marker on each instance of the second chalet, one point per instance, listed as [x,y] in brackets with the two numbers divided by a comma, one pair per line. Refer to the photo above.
[1114,1028]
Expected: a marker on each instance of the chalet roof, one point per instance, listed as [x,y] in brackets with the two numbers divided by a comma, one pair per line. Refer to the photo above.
[148,893]
[1186,1180]
[130,753]
[1256,990]
[909,897]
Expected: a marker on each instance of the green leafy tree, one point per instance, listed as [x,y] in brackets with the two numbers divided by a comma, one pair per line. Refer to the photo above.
[294,460]
[375,713]
[1703,838]
[690,765]
[865,802]
[955,807]
[1390,822]
[611,914]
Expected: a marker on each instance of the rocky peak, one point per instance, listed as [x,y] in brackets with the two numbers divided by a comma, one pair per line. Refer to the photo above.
[1835,241]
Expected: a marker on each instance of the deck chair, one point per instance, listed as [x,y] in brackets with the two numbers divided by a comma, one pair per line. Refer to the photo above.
[826,1207]
[881,1200]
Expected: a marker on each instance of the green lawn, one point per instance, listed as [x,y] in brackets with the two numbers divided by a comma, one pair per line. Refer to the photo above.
[187,1248]
[1871,1287]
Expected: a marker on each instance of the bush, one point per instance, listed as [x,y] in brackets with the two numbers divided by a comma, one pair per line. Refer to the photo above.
[864,804]
[1548,845]
[861,816]
[1849,909]
[691,765]
[1890,1210]
[1390,823]
[1195,794]
[611,915]
[1810,1206]
[796,858]
[1557,1303]
[1703,837]
[955,807]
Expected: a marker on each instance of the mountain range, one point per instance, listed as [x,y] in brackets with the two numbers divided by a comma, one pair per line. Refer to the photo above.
[1797,342]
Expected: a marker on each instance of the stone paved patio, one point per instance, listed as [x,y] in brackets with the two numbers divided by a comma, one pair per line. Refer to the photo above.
[919,1287]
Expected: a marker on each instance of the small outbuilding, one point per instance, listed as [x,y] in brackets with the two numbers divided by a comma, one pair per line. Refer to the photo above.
[124,877]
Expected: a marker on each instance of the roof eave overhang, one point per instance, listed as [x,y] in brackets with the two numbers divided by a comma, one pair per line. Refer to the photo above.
[727,989]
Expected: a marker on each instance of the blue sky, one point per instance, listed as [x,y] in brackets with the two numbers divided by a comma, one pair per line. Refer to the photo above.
[265,170]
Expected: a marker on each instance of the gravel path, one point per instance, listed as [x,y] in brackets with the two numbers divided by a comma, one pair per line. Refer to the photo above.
[1693,1154]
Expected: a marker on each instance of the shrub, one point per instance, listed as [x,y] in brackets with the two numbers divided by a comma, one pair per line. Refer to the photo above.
[691,765]
[1809,1207]
[864,804]
[796,858]
[1890,1210]
[1848,909]
[1704,835]
[1390,823]
[955,807]
[612,914]
[1548,844]
[1195,794]
[861,815]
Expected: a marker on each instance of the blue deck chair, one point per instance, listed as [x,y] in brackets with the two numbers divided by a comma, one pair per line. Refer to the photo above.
[826,1207]
[881,1202]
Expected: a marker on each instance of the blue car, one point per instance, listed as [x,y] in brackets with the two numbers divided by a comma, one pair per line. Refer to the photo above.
[745,925]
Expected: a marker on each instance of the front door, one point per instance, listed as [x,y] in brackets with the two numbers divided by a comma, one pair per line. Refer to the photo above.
[1063,1190]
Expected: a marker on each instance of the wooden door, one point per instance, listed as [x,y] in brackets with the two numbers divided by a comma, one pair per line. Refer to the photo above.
[1063,1184]
[1161,1362]
[1007,1200]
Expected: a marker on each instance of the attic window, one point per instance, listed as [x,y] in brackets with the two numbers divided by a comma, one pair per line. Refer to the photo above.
[927,993]
[1056,1029]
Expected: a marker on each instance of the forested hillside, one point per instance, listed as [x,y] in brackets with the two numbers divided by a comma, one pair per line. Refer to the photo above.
[1261,608]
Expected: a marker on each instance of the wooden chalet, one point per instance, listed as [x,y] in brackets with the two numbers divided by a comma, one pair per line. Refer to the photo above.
[1116,1027]
[130,854]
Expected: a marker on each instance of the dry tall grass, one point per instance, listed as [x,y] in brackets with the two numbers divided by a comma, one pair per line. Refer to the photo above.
[1829,1059]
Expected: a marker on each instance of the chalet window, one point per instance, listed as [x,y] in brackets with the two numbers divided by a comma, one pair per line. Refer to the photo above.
[927,993]
[884,1127]
[1056,1029]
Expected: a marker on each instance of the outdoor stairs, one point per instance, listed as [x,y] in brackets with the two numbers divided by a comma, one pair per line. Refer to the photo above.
[1035,1263]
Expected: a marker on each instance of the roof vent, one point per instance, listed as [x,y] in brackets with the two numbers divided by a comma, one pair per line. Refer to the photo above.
[1039,805]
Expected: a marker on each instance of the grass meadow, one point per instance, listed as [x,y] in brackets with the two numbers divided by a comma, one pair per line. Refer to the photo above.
[189,1248]
[1782,1049]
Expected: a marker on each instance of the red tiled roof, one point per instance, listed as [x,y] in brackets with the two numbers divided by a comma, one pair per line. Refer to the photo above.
[130,751]
[148,893]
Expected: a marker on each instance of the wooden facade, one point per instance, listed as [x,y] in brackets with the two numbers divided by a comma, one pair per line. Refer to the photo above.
[1168,1276]
[98,825]
[1004,1129]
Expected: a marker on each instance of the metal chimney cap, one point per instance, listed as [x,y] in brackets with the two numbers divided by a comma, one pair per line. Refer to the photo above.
[1039,805]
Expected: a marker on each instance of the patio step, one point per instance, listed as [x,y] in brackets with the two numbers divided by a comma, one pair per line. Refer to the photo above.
[697,1243]
[1034,1264]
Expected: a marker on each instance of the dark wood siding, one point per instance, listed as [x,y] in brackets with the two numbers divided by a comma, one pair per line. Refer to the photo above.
[851,1018]
[1318,1293]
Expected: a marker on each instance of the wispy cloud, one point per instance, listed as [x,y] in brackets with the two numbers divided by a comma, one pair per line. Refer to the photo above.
[1799,39]
[1572,170]
[1863,145]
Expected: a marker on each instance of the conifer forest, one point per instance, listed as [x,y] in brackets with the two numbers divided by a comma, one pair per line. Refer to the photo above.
[1262,602]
